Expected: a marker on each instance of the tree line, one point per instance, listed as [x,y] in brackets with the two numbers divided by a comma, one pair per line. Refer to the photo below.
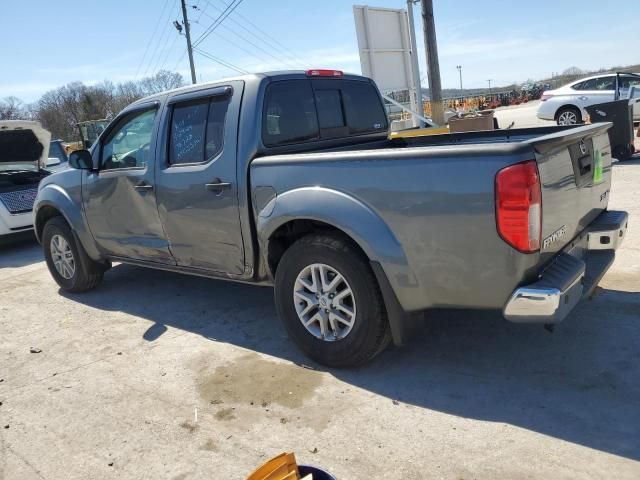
[59,110]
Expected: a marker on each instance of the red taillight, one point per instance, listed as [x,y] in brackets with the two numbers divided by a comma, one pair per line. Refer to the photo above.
[519,206]
[324,73]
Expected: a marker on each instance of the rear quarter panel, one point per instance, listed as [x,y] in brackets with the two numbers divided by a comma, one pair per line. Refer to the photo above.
[439,204]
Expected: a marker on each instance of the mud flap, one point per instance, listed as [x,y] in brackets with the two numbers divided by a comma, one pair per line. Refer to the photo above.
[402,324]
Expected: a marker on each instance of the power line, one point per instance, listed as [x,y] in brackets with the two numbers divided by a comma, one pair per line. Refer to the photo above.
[220,61]
[213,24]
[158,64]
[273,42]
[258,47]
[169,50]
[175,67]
[152,37]
[164,37]
[232,6]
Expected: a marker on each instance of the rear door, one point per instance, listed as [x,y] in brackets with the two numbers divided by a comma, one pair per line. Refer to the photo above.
[597,90]
[575,174]
[626,83]
[197,188]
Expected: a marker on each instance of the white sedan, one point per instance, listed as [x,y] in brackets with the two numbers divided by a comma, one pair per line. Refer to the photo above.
[566,105]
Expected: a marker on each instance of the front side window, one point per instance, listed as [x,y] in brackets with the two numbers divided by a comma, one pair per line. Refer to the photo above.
[629,81]
[197,130]
[128,145]
[605,83]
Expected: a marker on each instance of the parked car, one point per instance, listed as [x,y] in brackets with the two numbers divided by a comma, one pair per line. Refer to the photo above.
[289,179]
[24,162]
[566,105]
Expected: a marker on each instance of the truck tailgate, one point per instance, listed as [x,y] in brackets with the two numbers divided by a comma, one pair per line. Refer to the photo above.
[575,174]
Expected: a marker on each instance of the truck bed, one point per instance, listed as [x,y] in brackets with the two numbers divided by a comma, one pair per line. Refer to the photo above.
[437,195]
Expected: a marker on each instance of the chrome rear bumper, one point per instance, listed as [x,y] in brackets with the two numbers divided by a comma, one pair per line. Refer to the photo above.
[569,278]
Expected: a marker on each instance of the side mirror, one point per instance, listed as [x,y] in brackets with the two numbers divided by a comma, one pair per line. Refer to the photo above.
[81,160]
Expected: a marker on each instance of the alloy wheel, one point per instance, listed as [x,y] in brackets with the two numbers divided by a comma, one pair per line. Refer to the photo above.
[62,257]
[568,118]
[324,302]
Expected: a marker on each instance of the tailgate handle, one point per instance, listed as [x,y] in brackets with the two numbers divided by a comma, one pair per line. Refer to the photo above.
[584,164]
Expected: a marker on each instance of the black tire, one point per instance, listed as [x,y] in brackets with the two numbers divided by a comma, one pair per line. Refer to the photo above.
[370,333]
[87,274]
[569,110]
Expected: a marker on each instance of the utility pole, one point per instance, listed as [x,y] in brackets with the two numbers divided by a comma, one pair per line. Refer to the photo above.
[433,65]
[459,67]
[489,80]
[414,61]
[187,33]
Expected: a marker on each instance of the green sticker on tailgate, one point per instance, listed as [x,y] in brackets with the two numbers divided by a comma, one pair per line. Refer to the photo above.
[597,167]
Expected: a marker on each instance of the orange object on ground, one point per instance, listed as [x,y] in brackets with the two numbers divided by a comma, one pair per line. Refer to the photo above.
[281,467]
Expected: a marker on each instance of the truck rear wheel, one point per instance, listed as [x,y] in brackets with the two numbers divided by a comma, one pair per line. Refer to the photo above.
[67,261]
[330,302]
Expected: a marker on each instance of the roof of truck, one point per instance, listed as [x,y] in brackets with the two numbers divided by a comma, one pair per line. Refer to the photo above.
[250,76]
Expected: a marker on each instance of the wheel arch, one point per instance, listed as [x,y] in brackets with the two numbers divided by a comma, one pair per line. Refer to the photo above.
[54,201]
[299,212]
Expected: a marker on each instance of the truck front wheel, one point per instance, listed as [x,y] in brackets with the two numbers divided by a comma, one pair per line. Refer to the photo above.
[69,265]
[330,302]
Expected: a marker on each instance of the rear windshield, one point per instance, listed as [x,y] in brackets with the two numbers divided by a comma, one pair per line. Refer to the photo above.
[298,111]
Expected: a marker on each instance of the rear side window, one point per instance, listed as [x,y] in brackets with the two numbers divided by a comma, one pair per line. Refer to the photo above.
[363,108]
[289,114]
[197,130]
[600,83]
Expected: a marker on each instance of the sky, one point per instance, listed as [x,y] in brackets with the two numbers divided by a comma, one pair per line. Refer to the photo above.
[45,44]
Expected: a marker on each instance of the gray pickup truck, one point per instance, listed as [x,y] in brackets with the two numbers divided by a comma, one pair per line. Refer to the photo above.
[289,179]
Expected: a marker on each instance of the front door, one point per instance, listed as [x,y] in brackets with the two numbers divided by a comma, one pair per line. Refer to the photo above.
[196,181]
[119,199]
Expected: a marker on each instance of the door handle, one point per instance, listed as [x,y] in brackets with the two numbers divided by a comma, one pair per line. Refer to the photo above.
[143,187]
[216,184]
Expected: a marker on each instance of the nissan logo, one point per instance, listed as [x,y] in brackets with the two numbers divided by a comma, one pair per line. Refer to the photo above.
[583,147]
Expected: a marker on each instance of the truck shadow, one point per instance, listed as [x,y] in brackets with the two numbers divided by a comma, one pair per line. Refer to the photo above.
[579,384]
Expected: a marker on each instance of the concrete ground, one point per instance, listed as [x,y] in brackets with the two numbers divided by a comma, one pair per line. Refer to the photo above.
[522,116]
[156,375]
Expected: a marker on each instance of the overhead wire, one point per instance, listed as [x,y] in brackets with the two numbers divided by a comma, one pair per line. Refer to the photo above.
[232,6]
[220,61]
[173,42]
[163,38]
[184,53]
[146,50]
[287,63]
[266,37]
